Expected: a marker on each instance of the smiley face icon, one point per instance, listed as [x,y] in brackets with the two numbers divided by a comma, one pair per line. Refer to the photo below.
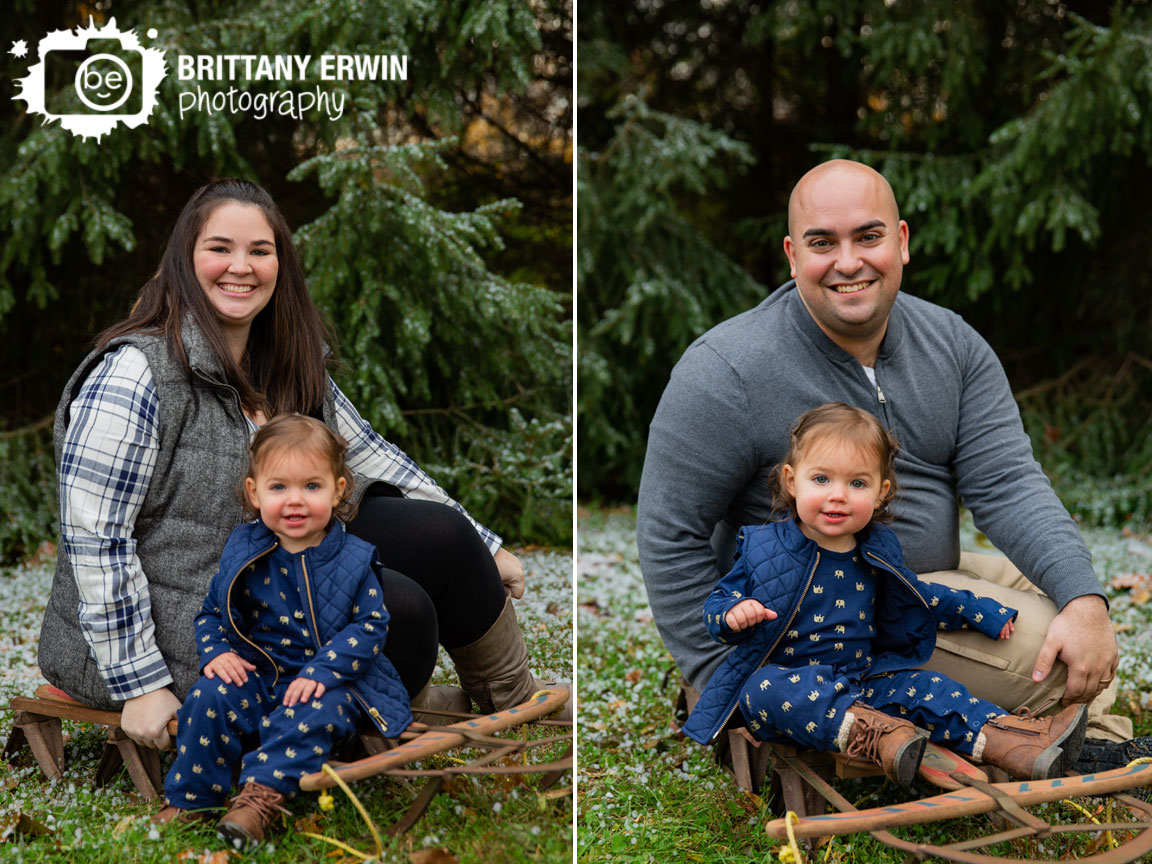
[103,82]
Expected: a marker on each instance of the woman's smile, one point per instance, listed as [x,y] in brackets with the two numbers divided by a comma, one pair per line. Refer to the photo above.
[235,263]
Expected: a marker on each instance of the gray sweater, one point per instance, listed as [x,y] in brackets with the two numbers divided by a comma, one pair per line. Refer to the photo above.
[723,423]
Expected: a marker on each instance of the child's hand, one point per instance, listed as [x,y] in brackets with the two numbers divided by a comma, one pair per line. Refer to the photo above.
[231,667]
[302,690]
[747,613]
[1007,630]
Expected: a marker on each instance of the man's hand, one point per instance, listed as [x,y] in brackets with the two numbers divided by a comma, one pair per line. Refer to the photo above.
[231,667]
[145,718]
[747,613]
[511,573]
[1082,637]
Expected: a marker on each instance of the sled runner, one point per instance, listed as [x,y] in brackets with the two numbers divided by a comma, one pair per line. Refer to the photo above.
[808,775]
[475,731]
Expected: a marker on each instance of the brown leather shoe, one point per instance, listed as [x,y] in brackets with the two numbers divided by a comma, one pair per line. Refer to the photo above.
[894,744]
[1033,748]
[252,812]
[181,816]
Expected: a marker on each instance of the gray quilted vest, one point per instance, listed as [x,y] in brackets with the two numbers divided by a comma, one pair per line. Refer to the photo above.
[187,513]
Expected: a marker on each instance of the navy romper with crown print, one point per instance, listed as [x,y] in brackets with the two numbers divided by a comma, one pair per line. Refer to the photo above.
[221,724]
[821,666]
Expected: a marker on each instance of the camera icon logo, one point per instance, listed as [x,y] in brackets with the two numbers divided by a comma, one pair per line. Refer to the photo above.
[114,80]
[100,79]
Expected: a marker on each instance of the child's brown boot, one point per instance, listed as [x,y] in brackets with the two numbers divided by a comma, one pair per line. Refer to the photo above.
[251,813]
[894,744]
[1033,748]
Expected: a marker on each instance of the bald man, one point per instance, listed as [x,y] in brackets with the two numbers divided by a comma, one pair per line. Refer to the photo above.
[842,331]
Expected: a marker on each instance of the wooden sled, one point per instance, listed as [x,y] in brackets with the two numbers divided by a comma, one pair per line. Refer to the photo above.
[799,796]
[801,780]
[36,725]
[420,742]
[804,778]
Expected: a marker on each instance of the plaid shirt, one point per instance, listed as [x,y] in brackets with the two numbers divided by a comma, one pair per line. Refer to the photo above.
[108,457]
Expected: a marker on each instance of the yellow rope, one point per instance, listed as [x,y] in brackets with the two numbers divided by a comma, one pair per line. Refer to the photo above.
[326,803]
[1143,760]
[343,846]
[791,853]
[1076,806]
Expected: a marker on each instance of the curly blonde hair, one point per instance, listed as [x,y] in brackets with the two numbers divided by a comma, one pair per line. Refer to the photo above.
[844,423]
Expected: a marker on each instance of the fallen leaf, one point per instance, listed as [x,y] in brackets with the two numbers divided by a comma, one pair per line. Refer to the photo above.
[438,855]
[634,676]
[1132,580]
[309,823]
[17,824]
[751,802]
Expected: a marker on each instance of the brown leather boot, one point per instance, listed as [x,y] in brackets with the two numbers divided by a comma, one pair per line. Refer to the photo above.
[494,669]
[894,744]
[440,698]
[1033,748]
[251,814]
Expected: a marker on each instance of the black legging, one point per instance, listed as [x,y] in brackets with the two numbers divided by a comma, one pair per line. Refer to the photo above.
[440,581]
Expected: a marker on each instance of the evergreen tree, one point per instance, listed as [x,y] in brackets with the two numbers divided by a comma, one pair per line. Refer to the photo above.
[1015,137]
[433,218]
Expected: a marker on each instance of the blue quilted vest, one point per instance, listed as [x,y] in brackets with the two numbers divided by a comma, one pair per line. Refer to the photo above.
[337,568]
[779,562]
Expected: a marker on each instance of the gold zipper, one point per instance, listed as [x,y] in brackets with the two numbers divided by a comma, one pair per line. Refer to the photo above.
[791,618]
[311,609]
[232,621]
[899,576]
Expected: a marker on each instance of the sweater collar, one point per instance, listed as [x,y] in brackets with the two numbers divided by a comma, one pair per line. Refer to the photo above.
[808,326]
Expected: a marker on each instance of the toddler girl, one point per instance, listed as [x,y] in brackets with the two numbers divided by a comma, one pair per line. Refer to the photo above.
[289,636]
[830,627]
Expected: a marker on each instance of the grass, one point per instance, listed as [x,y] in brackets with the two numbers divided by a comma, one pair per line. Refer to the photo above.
[648,794]
[476,819]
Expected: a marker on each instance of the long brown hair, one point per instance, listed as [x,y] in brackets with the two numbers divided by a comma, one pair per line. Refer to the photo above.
[835,420]
[283,368]
[296,432]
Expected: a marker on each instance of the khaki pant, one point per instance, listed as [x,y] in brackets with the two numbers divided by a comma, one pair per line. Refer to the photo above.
[1001,671]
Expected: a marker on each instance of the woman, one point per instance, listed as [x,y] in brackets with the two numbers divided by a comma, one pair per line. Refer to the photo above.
[151,438]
